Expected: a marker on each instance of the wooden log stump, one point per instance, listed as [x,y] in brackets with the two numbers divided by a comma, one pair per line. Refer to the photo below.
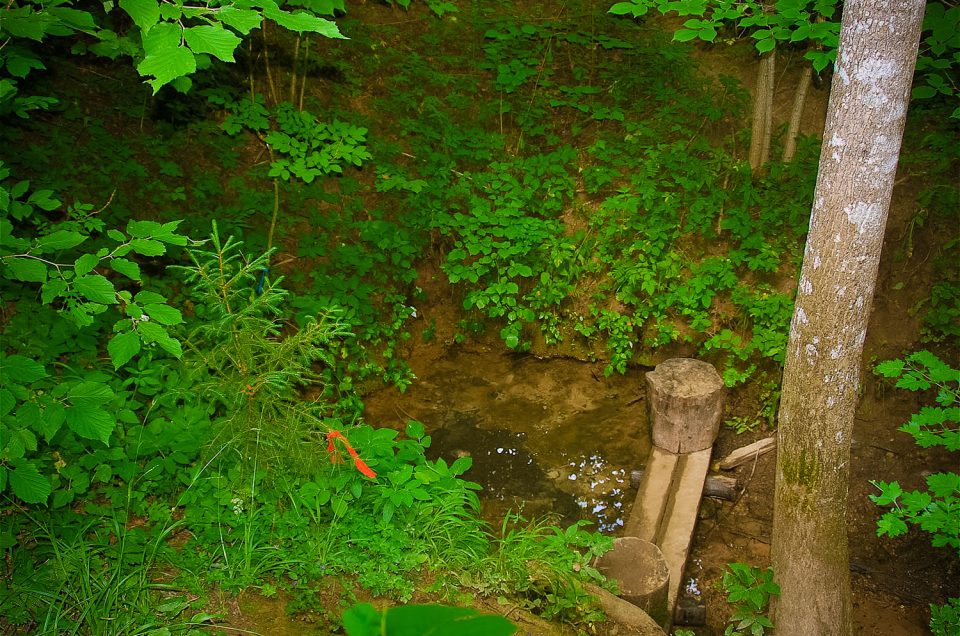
[642,573]
[685,397]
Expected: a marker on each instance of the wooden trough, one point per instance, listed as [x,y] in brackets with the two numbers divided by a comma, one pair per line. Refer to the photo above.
[685,401]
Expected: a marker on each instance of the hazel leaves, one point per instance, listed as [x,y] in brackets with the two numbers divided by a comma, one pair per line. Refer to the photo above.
[178,38]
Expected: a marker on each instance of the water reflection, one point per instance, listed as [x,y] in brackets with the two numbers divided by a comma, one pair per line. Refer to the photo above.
[546,436]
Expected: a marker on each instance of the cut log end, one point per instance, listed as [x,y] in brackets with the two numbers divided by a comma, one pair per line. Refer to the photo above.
[685,398]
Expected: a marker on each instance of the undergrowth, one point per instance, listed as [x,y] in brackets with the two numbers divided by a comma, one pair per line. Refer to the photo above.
[575,180]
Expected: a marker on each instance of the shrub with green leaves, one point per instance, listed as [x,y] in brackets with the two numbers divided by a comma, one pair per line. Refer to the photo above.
[935,510]
[748,592]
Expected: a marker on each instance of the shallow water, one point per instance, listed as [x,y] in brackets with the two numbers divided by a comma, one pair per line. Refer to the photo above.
[546,436]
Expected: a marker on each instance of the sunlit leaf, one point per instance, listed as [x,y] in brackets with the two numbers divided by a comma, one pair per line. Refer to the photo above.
[123,347]
[212,39]
[91,422]
[96,288]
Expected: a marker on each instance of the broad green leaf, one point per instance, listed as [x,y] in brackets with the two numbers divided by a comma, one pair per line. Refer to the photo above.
[91,422]
[60,240]
[165,58]
[944,485]
[85,264]
[28,270]
[103,473]
[170,12]
[90,394]
[168,234]
[122,347]
[44,200]
[148,247]
[415,430]
[913,382]
[767,45]
[891,525]
[144,13]
[62,497]
[71,18]
[889,369]
[96,288]
[128,268]
[301,21]
[164,314]
[7,401]
[28,484]
[439,620]
[243,20]
[52,289]
[21,22]
[20,62]
[25,437]
[53,418]
[629,8]
[212,39]
[461,465]
[143,229]
[12,448]
[148,298]
[20,369]
[152,332]
[81,313]
[362,619]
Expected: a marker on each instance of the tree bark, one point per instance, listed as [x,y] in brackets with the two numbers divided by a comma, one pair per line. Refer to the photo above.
[763,112]
[799,100]
[865,120]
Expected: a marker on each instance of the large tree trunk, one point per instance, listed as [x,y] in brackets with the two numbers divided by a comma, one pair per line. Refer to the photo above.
[865,119]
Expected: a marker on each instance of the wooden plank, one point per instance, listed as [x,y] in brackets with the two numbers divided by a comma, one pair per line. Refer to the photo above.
[748,453]
[651,502]
[677,531]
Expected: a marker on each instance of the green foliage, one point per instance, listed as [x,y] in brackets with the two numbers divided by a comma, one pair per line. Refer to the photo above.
[748,592]
[307,149]
[423,620]
[48,411]
[939,55]
[543,568]
[240,361]
[169,43]
[815,23]
[945,619]
[791,21]
[181,424]
[935,510]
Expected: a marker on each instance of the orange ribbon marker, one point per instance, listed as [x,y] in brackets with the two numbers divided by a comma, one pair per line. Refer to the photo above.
[335,458]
